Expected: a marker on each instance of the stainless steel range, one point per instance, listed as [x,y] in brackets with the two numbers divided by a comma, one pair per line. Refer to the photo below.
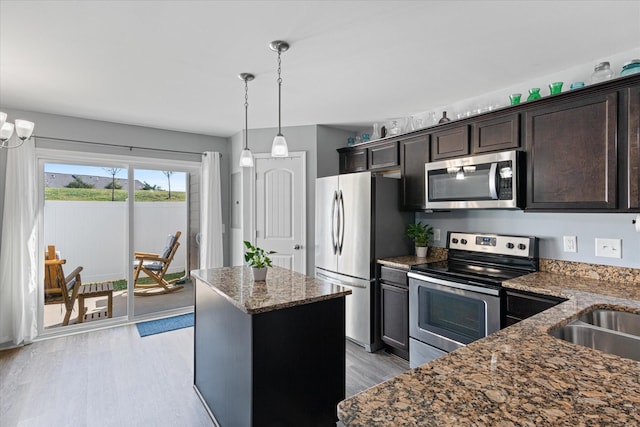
[457,301]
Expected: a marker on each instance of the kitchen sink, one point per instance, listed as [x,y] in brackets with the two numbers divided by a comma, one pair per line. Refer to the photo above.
[610,331]
[620,321]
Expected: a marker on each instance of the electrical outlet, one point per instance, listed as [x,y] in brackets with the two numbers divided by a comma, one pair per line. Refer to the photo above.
[436,234]
[570,244]
[609,248]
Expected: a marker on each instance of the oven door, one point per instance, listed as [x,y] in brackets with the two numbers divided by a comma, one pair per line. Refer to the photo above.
[449,315]
[485,181]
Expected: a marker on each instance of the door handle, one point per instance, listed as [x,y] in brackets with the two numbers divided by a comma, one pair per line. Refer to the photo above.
[297,247]
[493,177]
[342,221]
[334,244]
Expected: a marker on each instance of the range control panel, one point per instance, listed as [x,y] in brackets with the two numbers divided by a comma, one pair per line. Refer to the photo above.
[492,243]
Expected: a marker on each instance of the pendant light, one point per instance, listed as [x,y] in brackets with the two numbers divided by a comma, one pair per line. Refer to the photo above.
[246,158]
[279,147]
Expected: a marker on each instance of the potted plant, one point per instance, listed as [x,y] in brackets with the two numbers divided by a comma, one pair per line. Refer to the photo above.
[258,260]
[421,236]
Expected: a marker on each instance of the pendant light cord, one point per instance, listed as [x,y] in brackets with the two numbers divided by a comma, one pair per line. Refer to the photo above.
[246,114]
[279,94]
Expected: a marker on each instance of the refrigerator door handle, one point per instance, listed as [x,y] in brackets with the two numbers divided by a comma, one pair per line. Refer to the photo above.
[334,244]
[341,216]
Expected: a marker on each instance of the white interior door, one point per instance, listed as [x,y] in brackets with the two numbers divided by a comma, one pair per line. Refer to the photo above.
[280,209]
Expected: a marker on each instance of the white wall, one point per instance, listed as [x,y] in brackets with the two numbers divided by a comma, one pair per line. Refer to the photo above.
[329,140]
[94,234]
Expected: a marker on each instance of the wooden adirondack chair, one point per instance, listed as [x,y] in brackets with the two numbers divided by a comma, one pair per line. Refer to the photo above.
[58,288]
[155,266]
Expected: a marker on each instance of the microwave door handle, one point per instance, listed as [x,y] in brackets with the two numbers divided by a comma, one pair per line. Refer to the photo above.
[492,181]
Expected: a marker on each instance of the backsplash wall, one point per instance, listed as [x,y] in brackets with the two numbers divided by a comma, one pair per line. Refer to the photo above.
[550,229]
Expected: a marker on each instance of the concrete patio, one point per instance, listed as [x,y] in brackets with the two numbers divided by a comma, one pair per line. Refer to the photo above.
[54,313]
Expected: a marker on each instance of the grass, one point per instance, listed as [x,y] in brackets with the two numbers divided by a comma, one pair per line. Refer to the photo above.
[104,195]
[121,285]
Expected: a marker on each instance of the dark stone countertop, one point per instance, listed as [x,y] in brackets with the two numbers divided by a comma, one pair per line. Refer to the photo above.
[519,376]
[282,289]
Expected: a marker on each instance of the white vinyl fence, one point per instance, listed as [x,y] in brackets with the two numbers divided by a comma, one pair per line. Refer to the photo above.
[94,234]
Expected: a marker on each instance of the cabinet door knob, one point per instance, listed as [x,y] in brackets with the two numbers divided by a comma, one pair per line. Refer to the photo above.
[296,247]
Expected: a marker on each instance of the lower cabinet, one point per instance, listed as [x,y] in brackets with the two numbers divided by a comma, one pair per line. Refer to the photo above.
[394,322]
[520,305]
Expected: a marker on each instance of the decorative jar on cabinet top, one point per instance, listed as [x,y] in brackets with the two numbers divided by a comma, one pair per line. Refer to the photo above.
[602,72]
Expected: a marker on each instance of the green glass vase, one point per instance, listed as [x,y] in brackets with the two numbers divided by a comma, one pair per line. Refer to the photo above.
[534,93]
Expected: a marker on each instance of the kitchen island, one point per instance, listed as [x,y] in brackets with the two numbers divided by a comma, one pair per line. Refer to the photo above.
[268,353]
[519,376]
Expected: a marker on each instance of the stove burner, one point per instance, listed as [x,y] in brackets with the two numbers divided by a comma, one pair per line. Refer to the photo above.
[482,264]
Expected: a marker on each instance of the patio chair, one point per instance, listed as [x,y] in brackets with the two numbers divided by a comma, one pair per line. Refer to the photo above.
[58,288]
[155,266]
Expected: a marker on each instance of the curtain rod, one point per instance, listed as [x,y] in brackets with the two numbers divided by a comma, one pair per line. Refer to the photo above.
[130,147]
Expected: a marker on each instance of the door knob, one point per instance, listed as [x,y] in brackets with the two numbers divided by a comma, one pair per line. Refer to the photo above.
[297,247]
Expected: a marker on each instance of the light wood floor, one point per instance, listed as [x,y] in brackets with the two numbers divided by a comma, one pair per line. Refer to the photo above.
[113,377]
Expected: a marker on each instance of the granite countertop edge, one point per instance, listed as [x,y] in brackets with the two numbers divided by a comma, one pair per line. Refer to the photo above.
[406,262]
[253,297]
[517,376]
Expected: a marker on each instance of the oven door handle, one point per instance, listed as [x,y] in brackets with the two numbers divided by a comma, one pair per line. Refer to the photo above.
[455,285]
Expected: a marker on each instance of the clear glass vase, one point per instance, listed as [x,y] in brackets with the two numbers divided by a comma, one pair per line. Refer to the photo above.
[376,132]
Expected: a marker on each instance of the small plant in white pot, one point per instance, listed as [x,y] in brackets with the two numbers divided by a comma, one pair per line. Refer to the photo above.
[258,259]
[421,236]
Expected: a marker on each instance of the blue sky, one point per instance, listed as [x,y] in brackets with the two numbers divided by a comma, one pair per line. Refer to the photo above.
[153,177]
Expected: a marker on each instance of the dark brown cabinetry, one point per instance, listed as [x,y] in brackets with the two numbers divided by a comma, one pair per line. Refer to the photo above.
[352,159]
[520,305]
[451,142]
[632,158]
[497,134]
[383,156]
[394,298]
[414,153]
[582,148]
[572,154]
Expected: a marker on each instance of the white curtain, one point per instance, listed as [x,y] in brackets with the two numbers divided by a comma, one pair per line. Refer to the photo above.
[18,248]
[210,212]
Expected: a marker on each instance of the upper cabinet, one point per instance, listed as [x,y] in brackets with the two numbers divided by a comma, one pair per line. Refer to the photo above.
[376,156]
[352,159]
[631,158]
[572,154]
[582,149]
[497,134]
[414,153]
[384,155]
[450,142]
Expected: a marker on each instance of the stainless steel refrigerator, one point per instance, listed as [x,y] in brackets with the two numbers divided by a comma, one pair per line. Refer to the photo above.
[358,220]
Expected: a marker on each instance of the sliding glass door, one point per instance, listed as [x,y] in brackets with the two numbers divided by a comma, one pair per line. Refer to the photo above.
[85,227]
[114,223]
[160,231]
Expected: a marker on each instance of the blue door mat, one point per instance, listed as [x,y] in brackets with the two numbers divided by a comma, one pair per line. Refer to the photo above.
[164,325]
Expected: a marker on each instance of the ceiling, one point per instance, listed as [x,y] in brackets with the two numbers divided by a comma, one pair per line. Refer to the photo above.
[174,64]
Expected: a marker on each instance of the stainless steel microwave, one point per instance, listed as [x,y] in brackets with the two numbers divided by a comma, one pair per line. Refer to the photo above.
[488,181]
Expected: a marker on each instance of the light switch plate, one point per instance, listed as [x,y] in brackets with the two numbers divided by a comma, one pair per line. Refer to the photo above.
[609,248]
[570,244]
[436,234]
